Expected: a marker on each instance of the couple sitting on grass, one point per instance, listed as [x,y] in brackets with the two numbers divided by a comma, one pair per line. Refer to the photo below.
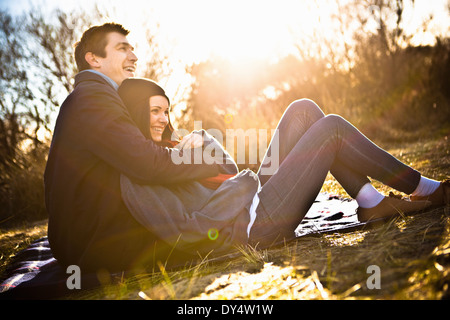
[117,201]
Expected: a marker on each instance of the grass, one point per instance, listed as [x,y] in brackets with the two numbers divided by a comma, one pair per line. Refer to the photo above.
[12,240]
[412,254]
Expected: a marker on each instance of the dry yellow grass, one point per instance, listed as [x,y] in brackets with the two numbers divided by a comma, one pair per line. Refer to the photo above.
[15,239]
[412,253]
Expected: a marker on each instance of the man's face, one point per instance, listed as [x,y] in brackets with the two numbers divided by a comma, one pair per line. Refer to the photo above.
[120,61]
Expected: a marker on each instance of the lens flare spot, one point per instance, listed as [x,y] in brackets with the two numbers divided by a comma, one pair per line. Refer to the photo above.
[228,118]
[213,234]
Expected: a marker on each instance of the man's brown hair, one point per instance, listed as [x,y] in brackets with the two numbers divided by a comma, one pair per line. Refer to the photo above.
[95,40]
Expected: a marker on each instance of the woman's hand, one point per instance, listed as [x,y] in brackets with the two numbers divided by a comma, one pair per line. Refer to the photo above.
[191,141]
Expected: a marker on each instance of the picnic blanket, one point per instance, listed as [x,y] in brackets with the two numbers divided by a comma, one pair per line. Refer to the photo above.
[329,213]
[35,274]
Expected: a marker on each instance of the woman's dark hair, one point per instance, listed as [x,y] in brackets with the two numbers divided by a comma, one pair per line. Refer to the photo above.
[95,40]
[135,94]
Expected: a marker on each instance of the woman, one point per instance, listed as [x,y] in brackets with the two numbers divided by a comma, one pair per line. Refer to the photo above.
[265,209]
[195,216]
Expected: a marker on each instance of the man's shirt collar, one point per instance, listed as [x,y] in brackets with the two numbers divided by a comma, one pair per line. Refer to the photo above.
[110,81]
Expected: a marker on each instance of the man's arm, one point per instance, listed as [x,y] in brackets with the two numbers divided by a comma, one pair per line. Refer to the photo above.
[110,134]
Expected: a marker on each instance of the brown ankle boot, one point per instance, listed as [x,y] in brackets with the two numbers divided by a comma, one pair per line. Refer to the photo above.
[391,207]
[440,197]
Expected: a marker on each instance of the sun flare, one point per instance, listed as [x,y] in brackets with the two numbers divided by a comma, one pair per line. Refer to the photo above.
[243,29]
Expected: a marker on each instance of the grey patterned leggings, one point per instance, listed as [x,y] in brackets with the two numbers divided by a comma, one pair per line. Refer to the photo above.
[311,144]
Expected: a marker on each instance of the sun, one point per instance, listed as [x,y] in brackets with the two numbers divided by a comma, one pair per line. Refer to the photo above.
[246,30]
[239,30]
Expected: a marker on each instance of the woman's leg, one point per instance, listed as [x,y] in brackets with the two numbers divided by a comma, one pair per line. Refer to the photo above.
[295,122]
[287,195]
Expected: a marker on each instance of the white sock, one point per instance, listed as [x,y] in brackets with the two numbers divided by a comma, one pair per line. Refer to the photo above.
[426,187]
[368,196]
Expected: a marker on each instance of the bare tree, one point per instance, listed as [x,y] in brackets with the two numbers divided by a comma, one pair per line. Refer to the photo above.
[17,118]
[14,90]
[50,48]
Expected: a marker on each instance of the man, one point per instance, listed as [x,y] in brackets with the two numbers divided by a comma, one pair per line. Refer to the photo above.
[94,141]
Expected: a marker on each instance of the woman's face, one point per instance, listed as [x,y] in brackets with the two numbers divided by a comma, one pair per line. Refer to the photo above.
[159,116]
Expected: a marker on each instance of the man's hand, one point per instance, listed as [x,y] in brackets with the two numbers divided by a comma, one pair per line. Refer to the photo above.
[191,141]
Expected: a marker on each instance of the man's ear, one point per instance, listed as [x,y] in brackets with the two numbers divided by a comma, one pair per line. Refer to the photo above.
[91,59]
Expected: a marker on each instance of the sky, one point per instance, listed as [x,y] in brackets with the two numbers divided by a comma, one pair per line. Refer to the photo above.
[199,28]
[235,29]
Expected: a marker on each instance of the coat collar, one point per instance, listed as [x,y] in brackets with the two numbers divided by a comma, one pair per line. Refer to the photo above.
[94,75]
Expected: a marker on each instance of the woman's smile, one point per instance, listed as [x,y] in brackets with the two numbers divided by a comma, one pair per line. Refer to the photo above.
[158,129]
